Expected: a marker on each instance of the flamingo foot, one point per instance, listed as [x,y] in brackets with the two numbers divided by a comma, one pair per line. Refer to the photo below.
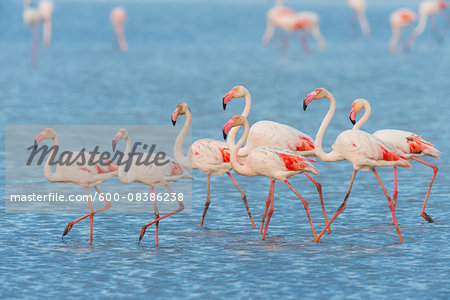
[427,217]
[144,228]
[68,228]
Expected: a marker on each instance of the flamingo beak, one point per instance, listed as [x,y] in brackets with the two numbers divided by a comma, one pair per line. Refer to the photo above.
[227,98]
[114,141]
[226,128]
[38,139]
[174,117]
[307,100]
[352,116]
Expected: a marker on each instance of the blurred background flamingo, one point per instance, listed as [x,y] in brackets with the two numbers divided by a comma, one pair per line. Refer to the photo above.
[79,172]
[32,17]
[359,15]
[400,19]
[118,17]
[289,21]
[407,142]
[46,8]
[428,9]
[151,175]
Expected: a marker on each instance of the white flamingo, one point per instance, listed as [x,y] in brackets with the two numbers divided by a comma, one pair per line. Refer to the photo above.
[427,8]
[399,19]
[407,142]
[290,21]
[32,17]
[273,162]
[46,8]
[359,9]
[118,18]
[207,155]
[151,175]
[269,133]
[79,172]
[362,149]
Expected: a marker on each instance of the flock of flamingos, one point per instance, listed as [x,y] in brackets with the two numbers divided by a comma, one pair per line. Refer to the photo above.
[279,16]
[272,149]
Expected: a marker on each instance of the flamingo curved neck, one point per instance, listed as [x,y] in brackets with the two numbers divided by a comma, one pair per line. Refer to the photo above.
[245,113]
[124,177]
[365,117]
[333,155]
[422,25]
[241,169]
[48,168]
[185,161]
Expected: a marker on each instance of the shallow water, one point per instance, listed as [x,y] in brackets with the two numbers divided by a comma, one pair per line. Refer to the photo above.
[195,52]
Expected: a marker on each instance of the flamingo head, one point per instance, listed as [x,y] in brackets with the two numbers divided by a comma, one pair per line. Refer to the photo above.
[238,91]
[317,94]
[442,5]
[120,135]
[235,121]
[47,133]
[357,106]
[181,109]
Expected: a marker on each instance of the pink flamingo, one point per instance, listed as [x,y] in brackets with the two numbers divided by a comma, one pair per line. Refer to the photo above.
[407,142]
[46,8]
[399,19]
[427,8]
[32,17]
[289,20]
[152,175]
[359,9]
[273,162]
[362,149]
[118,17]
[269,133]
[79,172]
[207,155]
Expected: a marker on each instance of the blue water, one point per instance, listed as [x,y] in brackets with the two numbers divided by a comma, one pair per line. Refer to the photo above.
[196,51]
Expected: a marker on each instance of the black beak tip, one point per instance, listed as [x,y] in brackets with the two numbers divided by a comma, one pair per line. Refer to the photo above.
[224,105]
[224,135]
[304,105]
[173,122]
[353,121]
[114,146]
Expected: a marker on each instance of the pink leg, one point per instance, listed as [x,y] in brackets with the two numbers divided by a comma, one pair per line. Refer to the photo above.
[341,208]
[285,43]
[394,196]
[90,214]
[155,208]
[319,190]
[35,44]
[305,204]
[391,205]
[269,215]
[269,197]
[244,198]
[208,199]
[305,43]
[157,219]
[435,170]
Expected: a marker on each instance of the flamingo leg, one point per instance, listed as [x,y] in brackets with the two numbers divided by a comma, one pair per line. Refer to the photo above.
[394,196]
[91,213]
[435,170]
[244,198]
[391,205]
[305,43]
[156,220]
[285,45]
[269,215]
[35,44]
[341,208]
[271,191]
[319,190]
[305,204]
[208,199]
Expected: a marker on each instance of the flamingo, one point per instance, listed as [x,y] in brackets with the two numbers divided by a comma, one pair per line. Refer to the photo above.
[427,8]
[362,149]
[407,142]
[399,19]
[118,17]
[269,133]
[273,162]
[32,17]
[289,20]
[359,9]
[79,172]
[151,175]
[46,8]
[207,155]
